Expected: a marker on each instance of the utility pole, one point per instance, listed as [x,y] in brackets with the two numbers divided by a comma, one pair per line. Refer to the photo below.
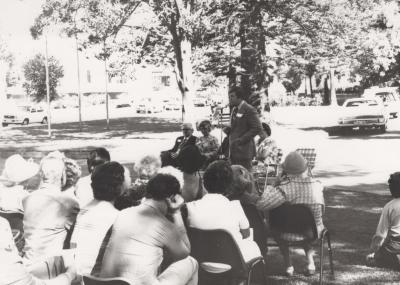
[79,84]
[106,86]
[48,91]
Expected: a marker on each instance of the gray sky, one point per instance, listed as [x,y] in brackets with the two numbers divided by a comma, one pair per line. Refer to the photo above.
[16,17]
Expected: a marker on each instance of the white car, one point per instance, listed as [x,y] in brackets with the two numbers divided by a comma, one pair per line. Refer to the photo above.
[148,106]
[389,96]
[24,115]
[361,113]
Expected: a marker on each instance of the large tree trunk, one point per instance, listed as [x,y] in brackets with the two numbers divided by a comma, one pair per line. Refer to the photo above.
[187,82]
[333,90]
[183,65]
[252,39]
[184,77]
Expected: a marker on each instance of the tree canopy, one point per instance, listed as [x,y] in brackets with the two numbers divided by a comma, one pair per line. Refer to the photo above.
[35,77]
[289,38]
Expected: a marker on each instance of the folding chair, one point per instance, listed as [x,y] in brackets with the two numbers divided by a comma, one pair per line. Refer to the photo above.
[310,155]
[265,174]
[91,280]
[217,248]
[257,223]
[299,219]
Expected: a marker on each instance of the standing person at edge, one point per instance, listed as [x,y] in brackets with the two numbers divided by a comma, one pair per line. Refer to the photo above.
[245,126]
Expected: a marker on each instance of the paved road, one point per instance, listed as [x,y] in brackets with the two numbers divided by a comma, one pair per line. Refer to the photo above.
[359,161]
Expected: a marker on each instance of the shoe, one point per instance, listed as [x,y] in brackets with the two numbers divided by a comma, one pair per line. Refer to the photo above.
[310,270]
[289,271]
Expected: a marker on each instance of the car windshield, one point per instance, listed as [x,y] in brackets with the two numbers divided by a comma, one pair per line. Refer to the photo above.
[362,103]
[23,108]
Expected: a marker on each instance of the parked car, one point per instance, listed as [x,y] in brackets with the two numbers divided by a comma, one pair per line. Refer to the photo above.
[171,106]
[389,96]
[123,105]
[361,113]
[199,102]
[147,105]
[24,115]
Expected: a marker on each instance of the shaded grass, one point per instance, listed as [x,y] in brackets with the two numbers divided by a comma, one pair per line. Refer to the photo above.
[91,130]
[351,217]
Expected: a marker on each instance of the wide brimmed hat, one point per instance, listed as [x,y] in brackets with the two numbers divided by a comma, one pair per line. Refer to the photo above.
[294,163]
[17,169]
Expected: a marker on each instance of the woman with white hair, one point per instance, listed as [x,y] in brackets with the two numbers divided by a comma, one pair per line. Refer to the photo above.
[293,187]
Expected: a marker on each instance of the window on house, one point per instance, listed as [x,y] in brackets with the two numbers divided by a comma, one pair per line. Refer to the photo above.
[165,80]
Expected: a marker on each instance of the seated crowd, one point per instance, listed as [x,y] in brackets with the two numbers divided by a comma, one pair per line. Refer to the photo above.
[138,229]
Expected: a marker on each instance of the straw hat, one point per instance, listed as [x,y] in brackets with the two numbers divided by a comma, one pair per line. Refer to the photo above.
[294,163]
[17,169]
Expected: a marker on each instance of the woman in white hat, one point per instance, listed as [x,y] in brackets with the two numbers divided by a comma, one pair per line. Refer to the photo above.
[293,187]
[17,171]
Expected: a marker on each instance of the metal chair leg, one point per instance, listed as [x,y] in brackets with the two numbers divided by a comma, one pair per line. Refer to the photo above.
[330,252]
[321,257]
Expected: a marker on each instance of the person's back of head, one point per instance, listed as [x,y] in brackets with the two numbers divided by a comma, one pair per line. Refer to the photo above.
[394,184]
[190,159]
[107,181]
[178,174]
[218,177]
[162,186]
[242,182]
[52,171]
[148,166]
[73,172]
[97,157]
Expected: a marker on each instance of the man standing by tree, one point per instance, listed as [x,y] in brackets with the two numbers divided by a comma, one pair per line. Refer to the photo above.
[245,126]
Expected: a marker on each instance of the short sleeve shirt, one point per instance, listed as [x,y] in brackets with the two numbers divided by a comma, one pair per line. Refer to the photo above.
[140,237]
[91,226]
[231,217]
[49,215]
[389,222]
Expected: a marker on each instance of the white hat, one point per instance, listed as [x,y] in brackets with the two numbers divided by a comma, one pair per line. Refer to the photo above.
[17,169]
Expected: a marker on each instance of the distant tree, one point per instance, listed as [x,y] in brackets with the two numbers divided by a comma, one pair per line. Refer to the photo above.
[35,77]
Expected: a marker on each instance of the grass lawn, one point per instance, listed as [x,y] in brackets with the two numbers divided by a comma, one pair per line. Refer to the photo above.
[351,216]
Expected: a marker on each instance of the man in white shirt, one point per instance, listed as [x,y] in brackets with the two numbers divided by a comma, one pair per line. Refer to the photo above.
[96,218]
[83,191]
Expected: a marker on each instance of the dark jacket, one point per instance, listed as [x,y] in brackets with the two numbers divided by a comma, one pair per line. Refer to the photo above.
[245,126]
[179,143]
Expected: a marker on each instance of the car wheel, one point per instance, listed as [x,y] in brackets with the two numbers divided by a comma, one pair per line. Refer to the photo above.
[395,115]
[25,121]
[382,129]
[44,121]
[4,124]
